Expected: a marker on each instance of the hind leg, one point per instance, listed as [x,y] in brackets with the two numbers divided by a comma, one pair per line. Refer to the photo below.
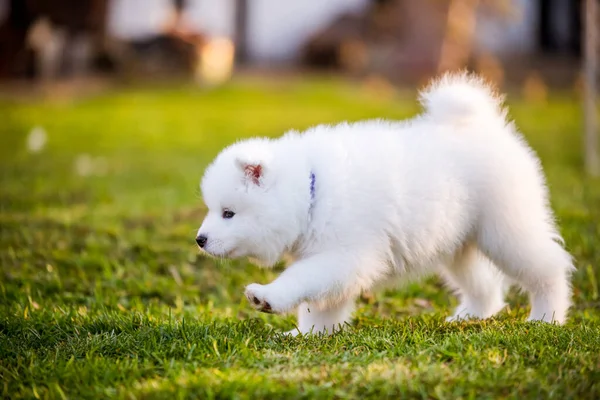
[531,255]
[313,318]
[479,285]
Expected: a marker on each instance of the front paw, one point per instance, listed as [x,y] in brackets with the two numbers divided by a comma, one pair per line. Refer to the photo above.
[257,298]
[262,298]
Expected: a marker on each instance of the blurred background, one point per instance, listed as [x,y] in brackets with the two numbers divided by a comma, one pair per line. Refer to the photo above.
[64,48]
[111,109]
[529,43]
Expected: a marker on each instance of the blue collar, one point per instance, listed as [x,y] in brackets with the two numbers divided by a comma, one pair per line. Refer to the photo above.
[312,186]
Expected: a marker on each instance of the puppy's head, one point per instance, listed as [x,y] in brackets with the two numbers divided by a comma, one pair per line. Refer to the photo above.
[250,213]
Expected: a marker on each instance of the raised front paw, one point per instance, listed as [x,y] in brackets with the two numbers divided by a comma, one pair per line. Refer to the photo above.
[257,298]
[262,298]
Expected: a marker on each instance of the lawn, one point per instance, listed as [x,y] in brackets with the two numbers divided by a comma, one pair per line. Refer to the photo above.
[103,293]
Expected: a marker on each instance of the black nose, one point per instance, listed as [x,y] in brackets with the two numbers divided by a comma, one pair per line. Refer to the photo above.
[201,240]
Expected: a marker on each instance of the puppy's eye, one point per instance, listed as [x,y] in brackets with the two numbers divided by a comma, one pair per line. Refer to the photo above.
[228,214]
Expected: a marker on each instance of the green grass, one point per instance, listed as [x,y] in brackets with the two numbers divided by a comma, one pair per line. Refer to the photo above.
[103,293]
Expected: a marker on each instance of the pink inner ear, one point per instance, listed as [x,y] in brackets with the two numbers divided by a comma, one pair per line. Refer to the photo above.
[254,172]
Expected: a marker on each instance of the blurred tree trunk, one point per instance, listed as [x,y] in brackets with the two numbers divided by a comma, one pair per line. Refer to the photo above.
[458,38]
[13,34]
[590,143]
[548,37]
[241,31]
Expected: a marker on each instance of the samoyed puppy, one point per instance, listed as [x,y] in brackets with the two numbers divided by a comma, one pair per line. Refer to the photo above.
[454,191]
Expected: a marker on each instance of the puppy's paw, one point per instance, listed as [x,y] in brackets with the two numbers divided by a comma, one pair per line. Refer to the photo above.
[456,318]
[265,299]
[256,295]
[292,333]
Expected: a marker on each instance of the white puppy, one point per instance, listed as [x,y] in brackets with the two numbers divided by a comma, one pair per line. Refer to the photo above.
[455,190]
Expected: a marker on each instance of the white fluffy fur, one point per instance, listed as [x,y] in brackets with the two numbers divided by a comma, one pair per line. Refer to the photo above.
[454,191]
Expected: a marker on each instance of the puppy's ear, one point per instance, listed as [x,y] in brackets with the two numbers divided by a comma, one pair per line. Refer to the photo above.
[253,171]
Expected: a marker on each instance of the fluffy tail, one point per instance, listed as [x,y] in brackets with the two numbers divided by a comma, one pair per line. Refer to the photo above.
[459,96]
